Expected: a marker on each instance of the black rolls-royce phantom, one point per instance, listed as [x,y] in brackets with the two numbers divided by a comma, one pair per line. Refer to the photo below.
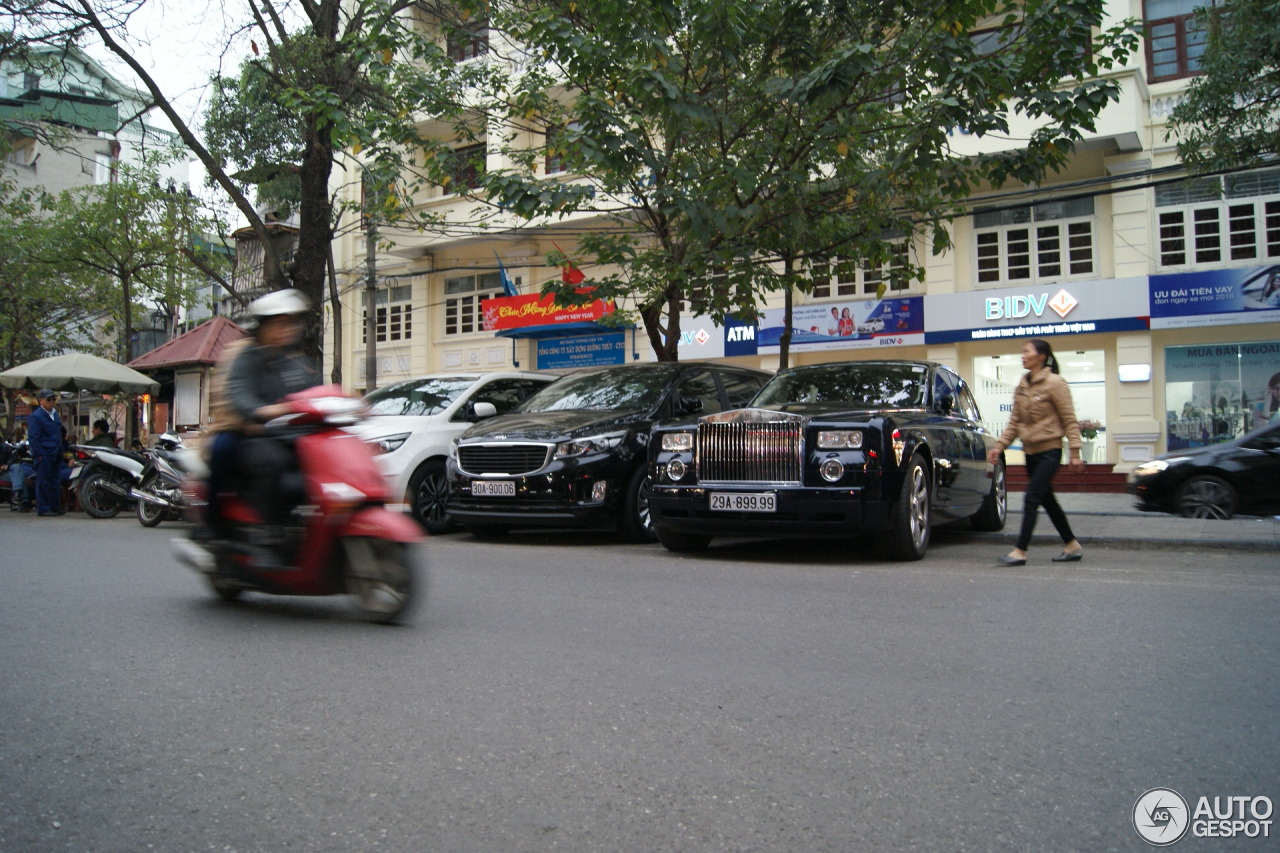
[831,450]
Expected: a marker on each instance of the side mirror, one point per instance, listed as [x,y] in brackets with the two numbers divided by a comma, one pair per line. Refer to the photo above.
[480,411]
[690,405]
[946,404]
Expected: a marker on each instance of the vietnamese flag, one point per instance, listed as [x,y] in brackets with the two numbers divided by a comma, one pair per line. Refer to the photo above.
[569,273]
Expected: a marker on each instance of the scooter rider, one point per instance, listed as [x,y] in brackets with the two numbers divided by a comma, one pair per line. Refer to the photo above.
[266,371]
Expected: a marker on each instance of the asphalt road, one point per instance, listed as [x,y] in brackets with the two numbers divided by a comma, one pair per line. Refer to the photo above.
[570,693]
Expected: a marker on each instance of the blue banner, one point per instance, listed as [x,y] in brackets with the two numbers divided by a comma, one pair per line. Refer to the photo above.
[582,351]
[1249,295]
[861,324]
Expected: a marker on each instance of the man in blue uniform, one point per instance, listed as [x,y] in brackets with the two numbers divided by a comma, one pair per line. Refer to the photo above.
[44,438]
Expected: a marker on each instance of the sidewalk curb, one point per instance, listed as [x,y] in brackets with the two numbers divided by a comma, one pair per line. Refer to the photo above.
[1007,537]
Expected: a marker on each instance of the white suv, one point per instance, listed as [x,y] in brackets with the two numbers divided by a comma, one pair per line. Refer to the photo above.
[412,423]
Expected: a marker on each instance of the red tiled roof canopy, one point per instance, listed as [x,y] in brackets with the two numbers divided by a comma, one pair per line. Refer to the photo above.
[201,345]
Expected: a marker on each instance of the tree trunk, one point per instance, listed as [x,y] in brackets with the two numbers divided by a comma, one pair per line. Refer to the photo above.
[788,294]
[315,232]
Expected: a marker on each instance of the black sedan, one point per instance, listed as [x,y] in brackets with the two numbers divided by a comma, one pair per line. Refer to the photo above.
[831,450]
[1217,481]
[575,453]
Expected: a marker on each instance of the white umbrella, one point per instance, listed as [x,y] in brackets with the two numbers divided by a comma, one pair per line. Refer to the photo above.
[77,371]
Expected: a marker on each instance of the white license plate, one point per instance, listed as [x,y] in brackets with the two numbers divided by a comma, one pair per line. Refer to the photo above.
[499,488]
[744,501]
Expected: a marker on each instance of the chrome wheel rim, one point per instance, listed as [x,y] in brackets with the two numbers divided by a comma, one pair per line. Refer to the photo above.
[149,512]
[1002,493]
[1206,499]
[642,507]
[918,508]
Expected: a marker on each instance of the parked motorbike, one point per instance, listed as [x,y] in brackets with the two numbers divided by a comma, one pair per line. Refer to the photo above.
[342,538]
[159,492]
[106,478]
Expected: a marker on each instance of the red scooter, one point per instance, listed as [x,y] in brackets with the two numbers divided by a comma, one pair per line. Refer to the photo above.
[343,539]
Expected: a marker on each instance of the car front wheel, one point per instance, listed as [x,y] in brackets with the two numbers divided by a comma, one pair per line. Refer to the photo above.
[1207,497]
[429,498]
[908,538]
[636,524]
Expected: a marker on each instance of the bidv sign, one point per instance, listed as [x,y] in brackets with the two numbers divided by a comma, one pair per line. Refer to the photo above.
[1017,307]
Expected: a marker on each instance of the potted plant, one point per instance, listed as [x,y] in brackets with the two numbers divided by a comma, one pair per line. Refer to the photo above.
[1089,429]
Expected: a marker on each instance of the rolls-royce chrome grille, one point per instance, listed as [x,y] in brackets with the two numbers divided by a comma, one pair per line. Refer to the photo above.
[512,459]
[750,451]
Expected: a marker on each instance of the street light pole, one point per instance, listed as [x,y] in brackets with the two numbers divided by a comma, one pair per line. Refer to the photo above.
[371,308]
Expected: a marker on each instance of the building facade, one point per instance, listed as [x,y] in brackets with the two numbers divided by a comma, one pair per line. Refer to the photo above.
[1161,294]
[71,122]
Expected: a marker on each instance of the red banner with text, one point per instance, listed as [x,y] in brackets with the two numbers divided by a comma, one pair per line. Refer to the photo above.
[516,312]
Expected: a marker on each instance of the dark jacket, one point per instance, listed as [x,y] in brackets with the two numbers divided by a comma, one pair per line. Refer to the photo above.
[261,376]
[44,434]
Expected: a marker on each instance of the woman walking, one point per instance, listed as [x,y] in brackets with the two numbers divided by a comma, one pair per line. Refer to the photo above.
[1042,415]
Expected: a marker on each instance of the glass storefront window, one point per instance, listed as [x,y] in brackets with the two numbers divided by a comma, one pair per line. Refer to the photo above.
[995,377]
[1216,392]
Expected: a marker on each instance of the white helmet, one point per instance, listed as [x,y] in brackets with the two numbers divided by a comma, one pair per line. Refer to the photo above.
[280,303]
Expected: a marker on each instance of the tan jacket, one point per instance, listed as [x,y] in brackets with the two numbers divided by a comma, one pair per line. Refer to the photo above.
[223,417]
[1042,415]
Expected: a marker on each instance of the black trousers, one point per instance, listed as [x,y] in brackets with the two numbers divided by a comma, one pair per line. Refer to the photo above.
[264,462]
[1041,468]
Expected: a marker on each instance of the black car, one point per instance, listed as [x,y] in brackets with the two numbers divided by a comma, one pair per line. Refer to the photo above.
[831,450]
[575,453]
[1217,481]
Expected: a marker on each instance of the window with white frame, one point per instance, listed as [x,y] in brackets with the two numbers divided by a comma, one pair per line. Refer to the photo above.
[393,318]
[1234,218]
[1039,242]
[462,298]
[846,278]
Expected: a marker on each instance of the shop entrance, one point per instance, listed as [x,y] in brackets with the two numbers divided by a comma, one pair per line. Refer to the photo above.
[995,377]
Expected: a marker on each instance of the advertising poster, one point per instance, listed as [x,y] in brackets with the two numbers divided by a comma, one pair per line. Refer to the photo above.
[864,324]
[1216,297]
[1216,392]
[582,351]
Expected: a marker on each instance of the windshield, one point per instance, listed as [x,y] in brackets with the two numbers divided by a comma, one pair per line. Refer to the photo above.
[869,385]
[418,396]
[615,390]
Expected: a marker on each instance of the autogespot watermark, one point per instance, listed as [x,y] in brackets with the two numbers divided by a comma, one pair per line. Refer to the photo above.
[1162,817]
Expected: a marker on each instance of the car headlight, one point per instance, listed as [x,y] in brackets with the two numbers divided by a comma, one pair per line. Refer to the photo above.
[590,444]
[1155,466]
[677,441]
[388,443]
[840,439]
